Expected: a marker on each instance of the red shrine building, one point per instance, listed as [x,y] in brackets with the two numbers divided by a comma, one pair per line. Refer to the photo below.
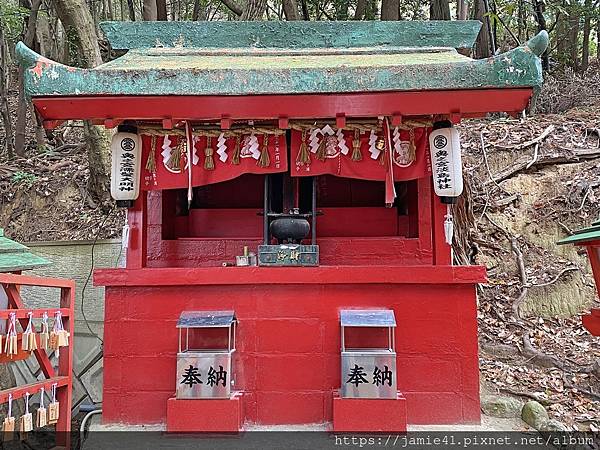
[289,190]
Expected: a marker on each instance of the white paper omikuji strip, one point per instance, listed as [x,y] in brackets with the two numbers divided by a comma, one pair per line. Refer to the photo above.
[166,153]
[254,147]
[313,140]
[342,142]
[195,157]
[222,148]
[396,139]
[372,145]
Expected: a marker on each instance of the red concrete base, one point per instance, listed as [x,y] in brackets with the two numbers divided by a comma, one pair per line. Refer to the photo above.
[204,415]
[369,415]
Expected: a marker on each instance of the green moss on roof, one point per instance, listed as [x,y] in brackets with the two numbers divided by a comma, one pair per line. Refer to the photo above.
[166,59]
[293,34]
[251,70]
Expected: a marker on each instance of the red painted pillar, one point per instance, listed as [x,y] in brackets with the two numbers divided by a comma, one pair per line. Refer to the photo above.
[137,218]
[65,368]
[424,205]
[442,252]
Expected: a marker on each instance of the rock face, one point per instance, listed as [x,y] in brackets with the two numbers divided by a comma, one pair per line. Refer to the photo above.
[504,407]
[553,425]
[534,414]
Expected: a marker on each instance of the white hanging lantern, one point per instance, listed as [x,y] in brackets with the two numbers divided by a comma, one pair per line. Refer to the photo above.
[446,164]
[126,151]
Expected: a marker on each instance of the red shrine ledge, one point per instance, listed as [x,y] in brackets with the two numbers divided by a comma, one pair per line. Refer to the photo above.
[182,276]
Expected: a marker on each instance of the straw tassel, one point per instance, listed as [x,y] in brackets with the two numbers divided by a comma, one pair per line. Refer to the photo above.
[356,154]
[235,158]
[322,149]
[303,156]
[264,159]
[151,162]
[209,162]
[412,149]
[174,162]
[382,148]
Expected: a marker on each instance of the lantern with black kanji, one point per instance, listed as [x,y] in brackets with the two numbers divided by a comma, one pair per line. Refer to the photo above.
[368,354]
[204,360]
[126,151]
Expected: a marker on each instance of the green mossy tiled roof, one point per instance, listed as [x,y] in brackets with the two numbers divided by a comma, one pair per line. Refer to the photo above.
[15,257]
[241,58]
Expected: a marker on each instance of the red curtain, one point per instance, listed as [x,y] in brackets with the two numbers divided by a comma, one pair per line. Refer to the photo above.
[170,170]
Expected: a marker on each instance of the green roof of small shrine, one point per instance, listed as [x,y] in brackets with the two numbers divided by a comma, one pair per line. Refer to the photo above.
[241,58]
[584,235]
[15,257]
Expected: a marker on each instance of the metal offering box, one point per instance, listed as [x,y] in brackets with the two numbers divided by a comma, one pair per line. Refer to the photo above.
[368,372]
[204,373]
[288,255]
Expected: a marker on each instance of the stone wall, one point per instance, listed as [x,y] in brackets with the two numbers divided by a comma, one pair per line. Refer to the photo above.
[73,260]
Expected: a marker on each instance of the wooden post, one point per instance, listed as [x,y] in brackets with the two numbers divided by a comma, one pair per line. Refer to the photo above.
[137,219]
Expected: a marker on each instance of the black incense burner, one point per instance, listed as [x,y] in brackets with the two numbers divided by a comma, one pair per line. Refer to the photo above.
[290,228]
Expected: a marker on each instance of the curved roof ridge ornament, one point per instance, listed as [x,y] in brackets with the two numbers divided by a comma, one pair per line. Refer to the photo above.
[538,43]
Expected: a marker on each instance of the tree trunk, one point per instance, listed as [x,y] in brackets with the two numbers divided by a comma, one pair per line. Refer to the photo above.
[131,10]
[462,10]
[361,8]
[196,11]
[290,9]
[522,20]
[255,10]
[22,105]
[149,10]
[342,9]
[161,9]
[305,13]
[587,29]
[45,38]
[574,39]
[439,10]
[233,7]
[598,39]
[111,14]
[4,84]
[389,9]
[539,8]
[483,43]
[77,20]
[99,156]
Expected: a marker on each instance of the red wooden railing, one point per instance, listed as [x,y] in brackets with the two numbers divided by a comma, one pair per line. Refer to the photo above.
[62,377]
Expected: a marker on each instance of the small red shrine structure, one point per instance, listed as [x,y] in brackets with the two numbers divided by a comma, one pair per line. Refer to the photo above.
[325,125]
